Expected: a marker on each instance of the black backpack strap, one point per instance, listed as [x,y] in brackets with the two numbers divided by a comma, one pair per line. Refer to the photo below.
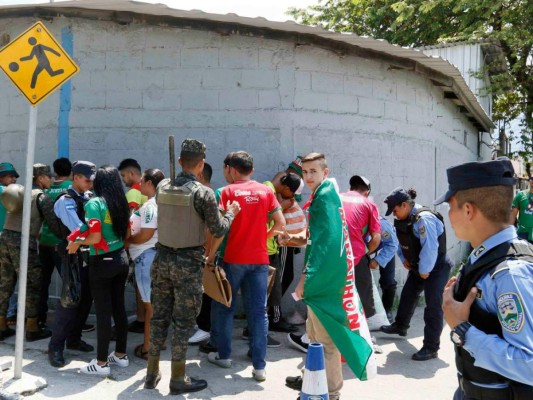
[38,204]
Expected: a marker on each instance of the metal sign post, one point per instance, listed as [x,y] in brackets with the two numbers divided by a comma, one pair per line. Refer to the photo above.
[23,269]
[37,65]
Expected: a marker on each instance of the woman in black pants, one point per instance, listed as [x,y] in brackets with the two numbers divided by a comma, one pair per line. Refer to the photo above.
[107,226]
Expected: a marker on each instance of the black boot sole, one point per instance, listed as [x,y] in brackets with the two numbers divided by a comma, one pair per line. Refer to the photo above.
[152,381]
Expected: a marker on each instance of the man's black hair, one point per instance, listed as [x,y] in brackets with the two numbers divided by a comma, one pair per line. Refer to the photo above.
[242,162]
[62,166]
[129,163]
[207,172]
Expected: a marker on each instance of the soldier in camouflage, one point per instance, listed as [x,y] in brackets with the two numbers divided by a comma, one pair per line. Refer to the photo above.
[176,272]
[10,243]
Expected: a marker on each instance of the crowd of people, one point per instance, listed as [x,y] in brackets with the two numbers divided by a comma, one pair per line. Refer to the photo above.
[164,232]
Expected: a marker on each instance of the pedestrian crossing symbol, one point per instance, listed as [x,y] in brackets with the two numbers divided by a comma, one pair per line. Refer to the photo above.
[36,63]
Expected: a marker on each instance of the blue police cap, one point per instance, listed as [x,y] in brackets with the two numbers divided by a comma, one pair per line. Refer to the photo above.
[472,175]
[396,197]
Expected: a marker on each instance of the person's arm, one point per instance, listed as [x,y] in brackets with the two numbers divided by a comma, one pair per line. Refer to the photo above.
[428,234]
[65,209]
[512,355]
[207,206]
[375,240]
[374,227]
[144,235]
[389,243]
[279,223]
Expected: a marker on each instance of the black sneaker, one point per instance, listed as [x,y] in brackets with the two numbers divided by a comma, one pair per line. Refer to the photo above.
[207,347]
[394,329]
[294,382]
[271,342]
[296,342]
[88,328]
[282,326]
[81,346]
[136,327]
[245,334]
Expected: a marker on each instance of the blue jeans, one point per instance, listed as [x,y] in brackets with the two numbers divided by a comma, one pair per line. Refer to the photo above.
[252,280]
[143,265]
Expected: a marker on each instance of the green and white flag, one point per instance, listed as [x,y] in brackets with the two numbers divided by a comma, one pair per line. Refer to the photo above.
[330,285]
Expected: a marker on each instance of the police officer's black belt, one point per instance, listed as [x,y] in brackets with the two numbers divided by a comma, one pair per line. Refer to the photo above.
[472,391]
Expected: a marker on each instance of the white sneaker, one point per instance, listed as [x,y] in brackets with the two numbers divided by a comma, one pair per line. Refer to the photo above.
[123,361]
[259,375]
[214,359]
[94,369]
[199,336]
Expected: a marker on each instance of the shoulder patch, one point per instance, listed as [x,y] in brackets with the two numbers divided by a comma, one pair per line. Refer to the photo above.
[422,230]
[386,235]
[510,312]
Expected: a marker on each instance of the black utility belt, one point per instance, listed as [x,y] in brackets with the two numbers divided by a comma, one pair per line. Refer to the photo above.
[110,254]
[515,391]
[176,249]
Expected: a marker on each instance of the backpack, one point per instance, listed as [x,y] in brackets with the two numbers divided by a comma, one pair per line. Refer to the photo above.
[45,205]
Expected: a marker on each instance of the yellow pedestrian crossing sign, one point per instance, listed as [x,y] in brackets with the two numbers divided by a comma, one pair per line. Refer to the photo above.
[36,63]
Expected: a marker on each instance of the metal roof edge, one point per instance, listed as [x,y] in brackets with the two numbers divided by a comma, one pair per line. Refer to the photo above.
[423,64]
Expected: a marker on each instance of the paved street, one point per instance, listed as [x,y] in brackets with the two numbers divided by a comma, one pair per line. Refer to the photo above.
[399,377]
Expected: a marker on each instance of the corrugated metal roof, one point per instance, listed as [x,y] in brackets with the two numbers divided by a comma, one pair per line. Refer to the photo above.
[435,68]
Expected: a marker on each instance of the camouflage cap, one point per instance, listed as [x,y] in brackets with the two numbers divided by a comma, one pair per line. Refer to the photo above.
[193,146]
[41,169]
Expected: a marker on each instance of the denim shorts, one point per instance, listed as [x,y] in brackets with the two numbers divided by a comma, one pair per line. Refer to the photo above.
[143,264]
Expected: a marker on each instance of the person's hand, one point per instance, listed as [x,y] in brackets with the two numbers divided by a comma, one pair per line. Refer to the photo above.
[424,276]
[234,207]
[455,311]
[299,290]
[407,265]
[373,264]
[73,247]
[283,236]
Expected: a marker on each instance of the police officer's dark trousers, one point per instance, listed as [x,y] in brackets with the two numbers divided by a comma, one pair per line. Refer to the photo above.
[432,288]
[68,322]
[50,259]
[388,284]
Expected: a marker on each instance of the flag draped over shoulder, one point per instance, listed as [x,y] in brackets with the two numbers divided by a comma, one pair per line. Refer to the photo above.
[330,286]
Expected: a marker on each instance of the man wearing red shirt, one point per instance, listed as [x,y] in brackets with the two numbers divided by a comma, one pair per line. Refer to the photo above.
[362,217]
[246,262]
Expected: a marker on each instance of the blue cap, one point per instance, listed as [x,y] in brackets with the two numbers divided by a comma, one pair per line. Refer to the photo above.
[472,175]
[396,197]
[8,169]
[85,168]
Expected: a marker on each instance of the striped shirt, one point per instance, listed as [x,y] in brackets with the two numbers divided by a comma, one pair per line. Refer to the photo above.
[295,219]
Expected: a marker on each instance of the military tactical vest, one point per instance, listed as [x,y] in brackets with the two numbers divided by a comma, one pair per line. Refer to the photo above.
[178,223]
[14,220]
[410,244]
[493,262]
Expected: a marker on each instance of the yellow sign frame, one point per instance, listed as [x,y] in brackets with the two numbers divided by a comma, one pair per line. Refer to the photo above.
[36,63]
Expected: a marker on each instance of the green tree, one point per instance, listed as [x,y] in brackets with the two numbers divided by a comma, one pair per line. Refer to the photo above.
[429,22]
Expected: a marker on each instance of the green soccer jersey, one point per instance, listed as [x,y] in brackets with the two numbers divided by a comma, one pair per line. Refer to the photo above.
[48,238]
[524,202]
[96,208]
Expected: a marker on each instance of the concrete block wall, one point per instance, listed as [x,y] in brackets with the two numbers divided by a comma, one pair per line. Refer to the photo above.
[138,84]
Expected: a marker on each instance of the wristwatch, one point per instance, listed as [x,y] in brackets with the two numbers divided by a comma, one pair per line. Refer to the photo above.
[458,334]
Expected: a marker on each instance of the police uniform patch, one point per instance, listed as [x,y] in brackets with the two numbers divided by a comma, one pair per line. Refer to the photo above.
[422,230]
[479,250]
[510,312]
[386,235]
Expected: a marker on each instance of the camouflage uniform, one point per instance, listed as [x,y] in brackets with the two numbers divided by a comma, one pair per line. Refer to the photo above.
[10,243]
[176,276]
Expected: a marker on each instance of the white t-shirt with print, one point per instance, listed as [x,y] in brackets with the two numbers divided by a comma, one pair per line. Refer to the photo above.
[144,217]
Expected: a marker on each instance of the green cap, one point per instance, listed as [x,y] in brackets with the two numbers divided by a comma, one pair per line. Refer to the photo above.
[8,169]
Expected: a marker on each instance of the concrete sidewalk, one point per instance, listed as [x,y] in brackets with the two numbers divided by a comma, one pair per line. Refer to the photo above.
[399,377]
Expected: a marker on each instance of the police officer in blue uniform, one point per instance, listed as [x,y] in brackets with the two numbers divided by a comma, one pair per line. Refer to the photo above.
[488,305]
[386,262]
[422,250]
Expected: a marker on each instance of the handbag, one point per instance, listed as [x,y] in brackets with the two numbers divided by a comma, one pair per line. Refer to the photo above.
[216,285]
[70,272]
